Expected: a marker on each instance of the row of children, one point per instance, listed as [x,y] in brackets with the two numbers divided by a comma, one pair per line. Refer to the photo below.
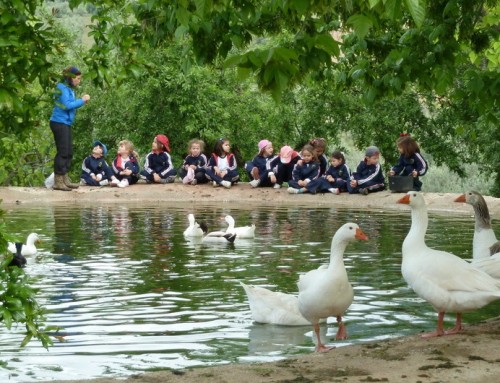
[306,172]
[309,172]
[221,168]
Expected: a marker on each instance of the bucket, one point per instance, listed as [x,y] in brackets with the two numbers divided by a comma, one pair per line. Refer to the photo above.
[400,184]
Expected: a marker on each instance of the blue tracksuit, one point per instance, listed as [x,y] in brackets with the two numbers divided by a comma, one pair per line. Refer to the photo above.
[232,170]
[283,172]
[131,164]
[159,163]
[201,167]
[307,171]
[370,177]
[341,175]
[95,166]
[264,165]
[406,166]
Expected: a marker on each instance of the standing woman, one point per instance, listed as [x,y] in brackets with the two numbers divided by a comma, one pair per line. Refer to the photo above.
[63,116]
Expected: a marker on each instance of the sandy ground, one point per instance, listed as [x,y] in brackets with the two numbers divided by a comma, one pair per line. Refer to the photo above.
[471,356]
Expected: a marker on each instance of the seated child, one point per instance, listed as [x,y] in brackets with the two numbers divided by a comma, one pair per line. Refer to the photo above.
[368,177]
[336,178]
[282,165]
[195,164]
[125,165]
[222,168]
[158,167]
[95,169]
[258,169]
[305,171]
[319,145]
[411,162]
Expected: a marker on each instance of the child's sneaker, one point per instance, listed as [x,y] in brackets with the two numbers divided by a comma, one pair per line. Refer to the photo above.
[226,184]
[334,190]
[215,184]
[82,182]
[277,186]
[115,182]
[255,183]
[293,190]
[104,182]
[123,183]
[363,191]
[194,182]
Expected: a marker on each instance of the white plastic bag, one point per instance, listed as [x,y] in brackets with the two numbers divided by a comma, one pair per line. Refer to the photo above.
[49,181]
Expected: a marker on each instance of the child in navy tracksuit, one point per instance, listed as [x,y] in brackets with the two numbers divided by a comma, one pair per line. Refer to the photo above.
[336,177]
[95,169]
[259,169]
[411,162]
[194,167]
[368,177]
[158,167]
[305,171]
[319,145]
[282,165]
[222,168]
[125,165]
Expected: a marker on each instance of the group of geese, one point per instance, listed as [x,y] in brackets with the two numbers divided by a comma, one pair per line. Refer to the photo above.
[449,283]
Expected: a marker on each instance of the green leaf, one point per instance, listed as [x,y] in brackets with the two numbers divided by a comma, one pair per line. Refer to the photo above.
[328,44]
[417,10]
[361,24]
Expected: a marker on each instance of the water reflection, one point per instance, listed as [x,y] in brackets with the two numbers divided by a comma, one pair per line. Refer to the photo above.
[131,293]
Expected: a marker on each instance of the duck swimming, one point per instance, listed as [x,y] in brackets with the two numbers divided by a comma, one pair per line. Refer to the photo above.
[29,248]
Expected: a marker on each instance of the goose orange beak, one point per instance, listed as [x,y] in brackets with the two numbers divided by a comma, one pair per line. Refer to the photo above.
[460,198]
[405,199]
[360,235]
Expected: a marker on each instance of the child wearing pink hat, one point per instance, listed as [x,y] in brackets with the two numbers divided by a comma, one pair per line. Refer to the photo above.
[258,169]
[283,164]
[158,167]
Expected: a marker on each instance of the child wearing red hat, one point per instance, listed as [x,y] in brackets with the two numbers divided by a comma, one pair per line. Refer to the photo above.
[158,167]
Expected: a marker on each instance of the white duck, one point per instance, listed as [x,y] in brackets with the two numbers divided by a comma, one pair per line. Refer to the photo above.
[326,291]
[194,229]
[216,236]
[446,281]
[484,242]
[243,232]
[29,248]
[273,307]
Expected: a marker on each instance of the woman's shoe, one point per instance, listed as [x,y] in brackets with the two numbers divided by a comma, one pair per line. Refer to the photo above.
[59,183]
[68,183]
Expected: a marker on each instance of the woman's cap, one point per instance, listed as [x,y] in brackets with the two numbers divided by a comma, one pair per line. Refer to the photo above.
[263,144]
[286,153]
[104,147]
[162,139]
[371,151]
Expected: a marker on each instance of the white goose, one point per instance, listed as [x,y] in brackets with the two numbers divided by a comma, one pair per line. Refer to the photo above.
[29,248]
[447,282]
[194,229]
[273,307]
[243,232]
[484,242]
[326,291]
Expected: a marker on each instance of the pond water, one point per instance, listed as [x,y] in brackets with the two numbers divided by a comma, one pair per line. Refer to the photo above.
[131,294]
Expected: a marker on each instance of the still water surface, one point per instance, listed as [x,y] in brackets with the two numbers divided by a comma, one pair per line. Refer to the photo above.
[131,294]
